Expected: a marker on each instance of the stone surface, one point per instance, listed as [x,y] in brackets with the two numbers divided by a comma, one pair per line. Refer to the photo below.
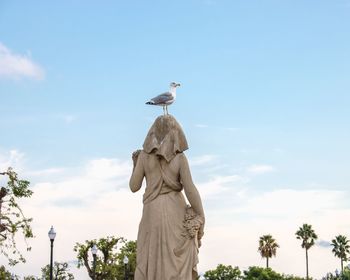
[170,231]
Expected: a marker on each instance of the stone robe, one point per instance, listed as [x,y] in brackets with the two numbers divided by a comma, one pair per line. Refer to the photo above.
[167,243]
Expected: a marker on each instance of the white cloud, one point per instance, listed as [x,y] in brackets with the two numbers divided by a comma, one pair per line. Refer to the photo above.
[106,168]
[202,160]
[13,158]
[220,185]
[201,125]
[44,172]
[15,66]
[92,203]
[233,230]
[230,128]
[288,203]
[96,202]
[260,169]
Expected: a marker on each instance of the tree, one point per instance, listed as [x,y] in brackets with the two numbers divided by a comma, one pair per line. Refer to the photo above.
[259,273]
[346,274]
[109,260]
[336,276]
[12,219]
[4,274]
[128,250]
[267,247]
[223,272]
[60,272]
[308,236]
[341,249]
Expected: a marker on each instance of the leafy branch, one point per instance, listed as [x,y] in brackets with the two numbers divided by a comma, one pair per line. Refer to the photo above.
[12,218]
[106,259]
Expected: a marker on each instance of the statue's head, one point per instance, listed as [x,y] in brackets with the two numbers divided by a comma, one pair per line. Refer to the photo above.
[165,138]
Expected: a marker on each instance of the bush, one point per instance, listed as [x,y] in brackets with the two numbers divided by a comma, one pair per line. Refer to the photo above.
[223,272]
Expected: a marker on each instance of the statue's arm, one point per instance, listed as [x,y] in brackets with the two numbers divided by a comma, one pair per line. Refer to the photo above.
[190,189]
[138,172]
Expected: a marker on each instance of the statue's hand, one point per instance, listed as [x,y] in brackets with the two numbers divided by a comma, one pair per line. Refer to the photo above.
[135,156]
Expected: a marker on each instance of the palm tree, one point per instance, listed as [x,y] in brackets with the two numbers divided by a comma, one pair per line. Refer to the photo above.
[341,249]
[267,247]
[308,237]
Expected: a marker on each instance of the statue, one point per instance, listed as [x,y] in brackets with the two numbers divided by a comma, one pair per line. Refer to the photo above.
[170,231]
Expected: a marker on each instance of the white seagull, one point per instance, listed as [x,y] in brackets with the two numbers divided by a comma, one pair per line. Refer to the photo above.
[166,98]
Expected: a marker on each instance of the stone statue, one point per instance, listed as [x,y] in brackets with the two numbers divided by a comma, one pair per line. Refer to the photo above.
[170,231]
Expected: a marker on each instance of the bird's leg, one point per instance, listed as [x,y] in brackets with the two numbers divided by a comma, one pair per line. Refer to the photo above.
[163,109]
[166,108]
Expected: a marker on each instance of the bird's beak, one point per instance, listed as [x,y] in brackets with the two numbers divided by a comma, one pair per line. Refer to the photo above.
[178,85]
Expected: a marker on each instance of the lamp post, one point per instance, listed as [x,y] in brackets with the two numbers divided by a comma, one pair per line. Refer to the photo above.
[94,255]
[126,261]
[52,235]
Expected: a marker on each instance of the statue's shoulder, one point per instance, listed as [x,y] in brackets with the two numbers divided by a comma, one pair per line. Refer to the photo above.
[144,154]
[147,156]
[181,156]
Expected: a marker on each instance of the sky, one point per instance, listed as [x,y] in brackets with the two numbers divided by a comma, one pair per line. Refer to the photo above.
[264,103]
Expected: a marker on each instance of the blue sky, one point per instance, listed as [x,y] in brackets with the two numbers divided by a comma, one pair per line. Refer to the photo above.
[264,103]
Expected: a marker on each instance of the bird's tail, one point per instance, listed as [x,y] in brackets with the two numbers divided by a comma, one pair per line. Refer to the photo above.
[150,103]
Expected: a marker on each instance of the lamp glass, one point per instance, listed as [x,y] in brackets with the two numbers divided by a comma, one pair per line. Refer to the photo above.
[125,260]
[52,233]
[94,249]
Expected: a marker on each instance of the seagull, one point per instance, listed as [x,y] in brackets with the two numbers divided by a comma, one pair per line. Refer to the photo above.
[165,99]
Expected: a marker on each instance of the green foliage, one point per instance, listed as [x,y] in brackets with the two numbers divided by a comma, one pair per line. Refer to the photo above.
[341,248]
[292,277]
[339,276]
[4,274]
[12,219]
[128,250]
[307,235]
[223,272]
[267,247]
[109,260]
[346,274]
[60,272]
[259,273]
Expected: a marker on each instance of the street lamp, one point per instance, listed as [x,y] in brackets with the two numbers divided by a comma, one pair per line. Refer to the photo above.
[52,235]
[94,253]
[126,261]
